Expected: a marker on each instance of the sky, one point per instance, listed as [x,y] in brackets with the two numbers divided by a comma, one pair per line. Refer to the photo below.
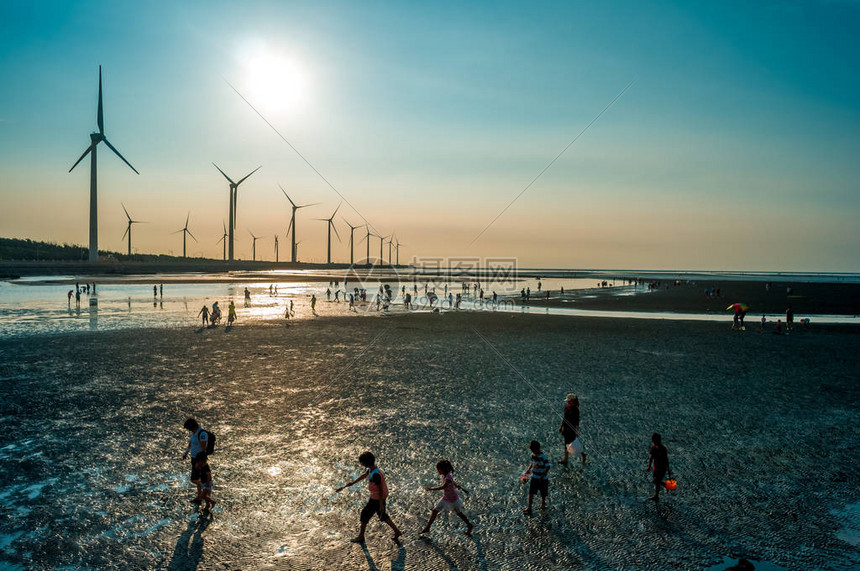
[735,147]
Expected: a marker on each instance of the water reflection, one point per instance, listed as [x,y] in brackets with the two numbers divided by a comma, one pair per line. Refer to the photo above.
[94,314]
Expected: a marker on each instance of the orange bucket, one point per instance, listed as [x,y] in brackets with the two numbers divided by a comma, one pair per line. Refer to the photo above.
[670,484]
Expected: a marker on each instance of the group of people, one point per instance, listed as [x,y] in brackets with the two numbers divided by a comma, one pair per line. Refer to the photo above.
[212,317]
[80,289]
[201,443]
[779,329]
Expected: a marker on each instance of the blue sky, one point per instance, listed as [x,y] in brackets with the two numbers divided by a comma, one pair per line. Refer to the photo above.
[734,149]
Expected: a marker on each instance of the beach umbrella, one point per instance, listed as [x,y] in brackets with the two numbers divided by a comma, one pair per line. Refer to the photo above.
[738,307]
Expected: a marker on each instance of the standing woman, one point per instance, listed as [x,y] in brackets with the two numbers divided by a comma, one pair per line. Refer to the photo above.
[570,426]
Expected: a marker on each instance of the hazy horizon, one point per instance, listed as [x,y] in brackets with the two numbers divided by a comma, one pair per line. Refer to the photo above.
[733,150]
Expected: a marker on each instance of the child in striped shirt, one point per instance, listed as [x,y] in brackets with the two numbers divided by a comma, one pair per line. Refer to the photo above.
[539,470]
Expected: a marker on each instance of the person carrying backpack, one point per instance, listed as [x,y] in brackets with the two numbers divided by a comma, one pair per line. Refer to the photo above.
[199,441]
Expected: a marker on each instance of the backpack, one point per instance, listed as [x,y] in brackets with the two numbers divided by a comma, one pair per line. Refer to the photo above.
[210,442]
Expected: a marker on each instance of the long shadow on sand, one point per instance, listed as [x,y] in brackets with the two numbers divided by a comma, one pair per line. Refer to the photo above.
[189,546]
[452,565]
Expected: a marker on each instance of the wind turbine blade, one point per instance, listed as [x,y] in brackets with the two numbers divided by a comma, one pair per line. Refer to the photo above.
[220,240]
[100,118]
[306,205]
[249,174]
[192,235]
[252,235]
[287,195]
[127,228]
[178,231]
[336,209]
[90,148]
[225,174]
[187,216]
[289,226]
[111,147]
[225,227]
[126,211]
[333,227]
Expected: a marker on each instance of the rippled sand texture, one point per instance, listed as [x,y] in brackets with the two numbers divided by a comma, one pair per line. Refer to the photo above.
[762,431]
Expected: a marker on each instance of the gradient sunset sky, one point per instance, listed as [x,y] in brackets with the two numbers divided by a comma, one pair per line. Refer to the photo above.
[736,147]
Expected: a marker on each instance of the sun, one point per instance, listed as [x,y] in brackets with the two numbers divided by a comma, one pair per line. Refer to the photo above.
[275,82]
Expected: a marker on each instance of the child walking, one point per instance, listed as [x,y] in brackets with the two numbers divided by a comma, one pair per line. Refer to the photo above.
[539,470]
[450,498]
[378,494]
[204,472]
[658,460]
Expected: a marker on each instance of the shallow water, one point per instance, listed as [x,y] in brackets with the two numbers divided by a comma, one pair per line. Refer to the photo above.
[36,306]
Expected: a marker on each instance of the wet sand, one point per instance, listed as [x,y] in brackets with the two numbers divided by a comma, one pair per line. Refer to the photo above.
[762,432]
[805,298]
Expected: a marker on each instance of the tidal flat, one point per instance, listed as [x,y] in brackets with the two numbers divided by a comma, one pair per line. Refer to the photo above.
[763,433]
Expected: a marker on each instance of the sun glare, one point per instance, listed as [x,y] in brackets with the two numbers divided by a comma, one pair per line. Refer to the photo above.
[275,82]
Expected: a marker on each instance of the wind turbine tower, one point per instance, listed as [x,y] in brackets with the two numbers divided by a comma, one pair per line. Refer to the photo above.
[352,230]
[254,246]
[224,240]
[95,139]
[331,225]
[128,228]
[185,232]
[292,225]
[381,240]
[234,192]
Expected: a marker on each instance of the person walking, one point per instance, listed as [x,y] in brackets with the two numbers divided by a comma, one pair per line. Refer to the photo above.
[204,311]
[539,471]
[569,428]
[658,461]
[378,489]
[450,498]
[198,441]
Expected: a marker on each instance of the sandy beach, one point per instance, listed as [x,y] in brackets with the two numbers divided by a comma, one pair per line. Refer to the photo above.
[761,431]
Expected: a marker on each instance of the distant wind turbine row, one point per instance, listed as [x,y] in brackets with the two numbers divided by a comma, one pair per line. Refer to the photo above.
[228,237]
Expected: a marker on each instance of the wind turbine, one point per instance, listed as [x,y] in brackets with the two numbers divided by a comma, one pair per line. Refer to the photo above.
[95,139]
[389,248]
[128,228]
[224,240]
[397,249]
[234,191]
[185,232]
[297,249]
[276,248]
[381,240]
[331,225]
[254,247]
[352,230]
[292,225]
[367,237]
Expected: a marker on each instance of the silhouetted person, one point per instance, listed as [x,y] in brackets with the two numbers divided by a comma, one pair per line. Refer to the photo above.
[378,489]
[198,440]
[204,311]
[658,460]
